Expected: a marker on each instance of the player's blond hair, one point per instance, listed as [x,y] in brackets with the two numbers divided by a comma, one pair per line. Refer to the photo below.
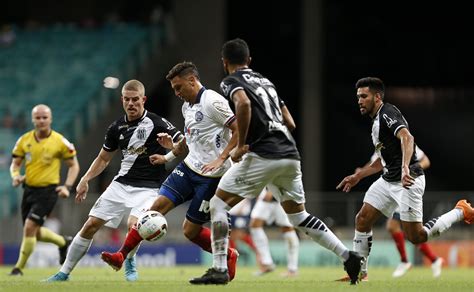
[134,85]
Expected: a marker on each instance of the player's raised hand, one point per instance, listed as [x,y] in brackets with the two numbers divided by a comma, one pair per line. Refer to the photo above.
[165,140]
[156,159]
[81,191]
[348,183]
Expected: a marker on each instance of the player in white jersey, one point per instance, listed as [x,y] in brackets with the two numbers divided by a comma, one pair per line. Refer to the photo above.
[208,123]
[267,210]
[136,185]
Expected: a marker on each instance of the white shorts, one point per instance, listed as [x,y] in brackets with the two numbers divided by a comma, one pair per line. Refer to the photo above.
[119,199]
[248,178]
[388,196]
[270,212]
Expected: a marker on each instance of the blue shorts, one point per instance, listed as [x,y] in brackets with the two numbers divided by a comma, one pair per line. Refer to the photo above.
[183,185]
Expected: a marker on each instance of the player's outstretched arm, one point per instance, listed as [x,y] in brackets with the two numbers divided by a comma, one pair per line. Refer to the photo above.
[367,170]
[96,168]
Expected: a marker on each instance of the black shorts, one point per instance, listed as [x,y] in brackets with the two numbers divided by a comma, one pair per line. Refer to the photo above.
[38,202]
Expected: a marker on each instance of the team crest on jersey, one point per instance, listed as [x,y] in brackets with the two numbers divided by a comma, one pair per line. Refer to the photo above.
[198,116]
[389,120]
[141,133]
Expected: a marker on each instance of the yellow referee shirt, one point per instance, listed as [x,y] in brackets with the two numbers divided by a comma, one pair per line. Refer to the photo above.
[43,158]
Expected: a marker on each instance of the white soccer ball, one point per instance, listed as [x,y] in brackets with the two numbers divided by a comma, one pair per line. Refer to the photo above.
[152,226]
[111,82]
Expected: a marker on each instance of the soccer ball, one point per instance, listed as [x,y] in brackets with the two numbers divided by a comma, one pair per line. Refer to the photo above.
[152,226]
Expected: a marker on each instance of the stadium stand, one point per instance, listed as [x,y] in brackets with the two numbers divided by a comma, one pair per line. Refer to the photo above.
[63,65]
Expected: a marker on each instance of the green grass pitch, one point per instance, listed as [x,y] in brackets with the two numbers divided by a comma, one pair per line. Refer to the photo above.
[176,279]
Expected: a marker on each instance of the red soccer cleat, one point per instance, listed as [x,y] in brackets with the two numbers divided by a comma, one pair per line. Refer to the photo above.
[232,262]
[115,260]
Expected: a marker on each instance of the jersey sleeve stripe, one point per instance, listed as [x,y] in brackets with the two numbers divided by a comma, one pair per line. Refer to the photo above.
[398,129]
[108,149]
[230,121]
[234,90]
[176,135]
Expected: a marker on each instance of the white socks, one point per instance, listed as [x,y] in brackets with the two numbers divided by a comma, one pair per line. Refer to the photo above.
[436,226]
[292,249]
[363,244]
[260,240]
[318,231]
[219,233]
[77,250]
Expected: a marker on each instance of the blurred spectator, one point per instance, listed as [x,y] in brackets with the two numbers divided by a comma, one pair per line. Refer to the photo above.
[7,35]
[7,119]
[4,159]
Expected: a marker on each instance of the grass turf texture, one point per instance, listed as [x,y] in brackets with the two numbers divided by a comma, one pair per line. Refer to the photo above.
[176,279]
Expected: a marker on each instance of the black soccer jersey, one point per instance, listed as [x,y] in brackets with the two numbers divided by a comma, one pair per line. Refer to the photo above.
[267,135]
[386,124]
[137,141]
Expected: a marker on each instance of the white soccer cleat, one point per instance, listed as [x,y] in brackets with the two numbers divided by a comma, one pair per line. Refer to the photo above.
[401,269]
[436,267]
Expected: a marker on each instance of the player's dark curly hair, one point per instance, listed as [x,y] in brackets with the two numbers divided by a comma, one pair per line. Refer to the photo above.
[373,83]
[182,69]
[236,51]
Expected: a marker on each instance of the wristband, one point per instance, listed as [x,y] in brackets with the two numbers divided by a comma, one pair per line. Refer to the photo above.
[170,156]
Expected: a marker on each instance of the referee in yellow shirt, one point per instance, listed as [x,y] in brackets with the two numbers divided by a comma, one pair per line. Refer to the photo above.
[42,150]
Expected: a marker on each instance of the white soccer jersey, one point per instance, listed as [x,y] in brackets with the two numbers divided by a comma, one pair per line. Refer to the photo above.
[206,131]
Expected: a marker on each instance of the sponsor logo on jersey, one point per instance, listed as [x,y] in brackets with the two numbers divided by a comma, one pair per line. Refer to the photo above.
[121,137]
[134,151]
[123,126]
[198,116]
[390,122]
[141,133]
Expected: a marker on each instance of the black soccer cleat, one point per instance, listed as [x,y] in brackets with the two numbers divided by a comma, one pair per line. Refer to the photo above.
[63,250]
[353,266]
[16,272]
[212,276]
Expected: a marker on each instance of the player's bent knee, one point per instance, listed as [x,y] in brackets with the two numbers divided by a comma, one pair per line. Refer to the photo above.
[91,226]
[217,207]
[362,222]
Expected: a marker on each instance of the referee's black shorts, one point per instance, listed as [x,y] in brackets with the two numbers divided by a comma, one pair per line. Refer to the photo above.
[38,202]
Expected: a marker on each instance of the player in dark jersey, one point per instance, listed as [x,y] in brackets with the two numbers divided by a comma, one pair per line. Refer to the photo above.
[135,187]
[268,154]
[402,183]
